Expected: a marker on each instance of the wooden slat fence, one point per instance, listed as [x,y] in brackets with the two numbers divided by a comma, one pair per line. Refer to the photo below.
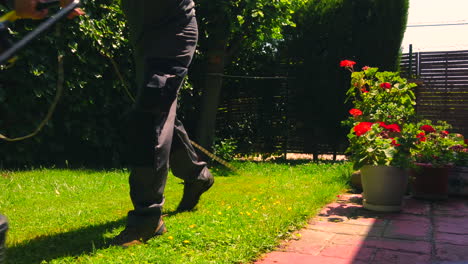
[443,94]
[262,115]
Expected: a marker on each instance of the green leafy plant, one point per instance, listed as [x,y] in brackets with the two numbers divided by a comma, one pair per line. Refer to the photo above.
[436,146]
[380,121]
[380,96]
[225,149]
[461,154]
[85,126]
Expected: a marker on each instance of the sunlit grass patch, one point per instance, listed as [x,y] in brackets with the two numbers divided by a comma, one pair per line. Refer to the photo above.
[67,216]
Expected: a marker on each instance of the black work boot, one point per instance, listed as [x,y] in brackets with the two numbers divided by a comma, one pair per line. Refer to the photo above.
[135,235]
[193,190]
[3,231]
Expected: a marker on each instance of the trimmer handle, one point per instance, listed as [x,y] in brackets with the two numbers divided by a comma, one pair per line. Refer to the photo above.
[6,56]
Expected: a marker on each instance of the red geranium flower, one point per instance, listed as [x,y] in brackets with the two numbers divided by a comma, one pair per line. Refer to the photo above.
[355,112]
[427,128]
[445,132]
[347,63]
[364,90]
[393,128]
[394,143]
[362,128]
[386,85]
[365,68]
[421,136]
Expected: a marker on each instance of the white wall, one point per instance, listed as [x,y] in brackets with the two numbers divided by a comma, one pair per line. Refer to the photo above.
[437,25]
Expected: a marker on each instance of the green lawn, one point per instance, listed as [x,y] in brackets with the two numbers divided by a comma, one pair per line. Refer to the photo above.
[67,216]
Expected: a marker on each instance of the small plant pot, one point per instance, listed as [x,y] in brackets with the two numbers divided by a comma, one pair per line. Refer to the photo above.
[3,231]
[458,181]
[429,183]
[384,188]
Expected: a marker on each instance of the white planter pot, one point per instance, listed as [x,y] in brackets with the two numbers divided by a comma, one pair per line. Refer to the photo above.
[384,187]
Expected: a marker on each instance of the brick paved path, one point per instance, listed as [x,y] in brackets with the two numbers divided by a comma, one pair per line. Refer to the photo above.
[344,232]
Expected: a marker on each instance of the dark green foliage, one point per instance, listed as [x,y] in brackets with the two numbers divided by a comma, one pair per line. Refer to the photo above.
[84,128]
[367,31]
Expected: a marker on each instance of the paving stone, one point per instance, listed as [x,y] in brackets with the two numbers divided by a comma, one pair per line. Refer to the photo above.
[421,247]
[340,239]
[350,198]
[455,239]
[311,242]
[344,232]
[454,207]
[409,217]
[448,224]
[367,221]
[349,213]
[296,258]
[411,230]
[340,209]
[448,252]
[413,206]
[396,257]
[342,228]
[332,219]
[351,252]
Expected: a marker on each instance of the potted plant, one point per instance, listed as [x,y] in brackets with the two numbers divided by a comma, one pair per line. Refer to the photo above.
[380,137]
[433,155]
[458,176]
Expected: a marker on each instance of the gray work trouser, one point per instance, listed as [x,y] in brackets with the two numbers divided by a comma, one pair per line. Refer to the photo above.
[163,51]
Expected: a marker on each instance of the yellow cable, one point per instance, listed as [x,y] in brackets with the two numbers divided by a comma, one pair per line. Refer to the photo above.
[10,16]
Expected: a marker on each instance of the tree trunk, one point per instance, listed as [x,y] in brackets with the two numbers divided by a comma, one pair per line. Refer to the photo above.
[206,127]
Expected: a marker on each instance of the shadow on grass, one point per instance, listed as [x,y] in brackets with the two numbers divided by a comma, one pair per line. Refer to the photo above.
[72,244]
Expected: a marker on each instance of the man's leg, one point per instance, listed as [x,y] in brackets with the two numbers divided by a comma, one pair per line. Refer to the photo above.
[185,164]
[150,125]
[148,173]
[162,55]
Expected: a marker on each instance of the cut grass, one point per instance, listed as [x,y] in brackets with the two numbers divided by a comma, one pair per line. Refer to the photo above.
[67,216]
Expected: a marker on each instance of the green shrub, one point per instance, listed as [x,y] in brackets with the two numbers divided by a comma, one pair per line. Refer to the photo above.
[84,128]
[225,149]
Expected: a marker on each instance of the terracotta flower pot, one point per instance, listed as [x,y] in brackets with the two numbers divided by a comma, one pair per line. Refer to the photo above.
[429,183]
[384,187]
